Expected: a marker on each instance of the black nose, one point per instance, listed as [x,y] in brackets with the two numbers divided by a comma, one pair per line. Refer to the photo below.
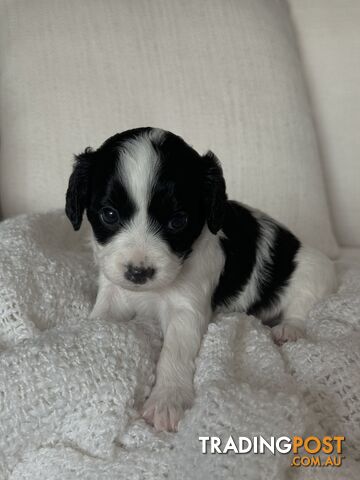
[139,275]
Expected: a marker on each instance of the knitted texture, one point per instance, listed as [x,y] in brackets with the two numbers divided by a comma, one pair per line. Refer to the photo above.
[70,387]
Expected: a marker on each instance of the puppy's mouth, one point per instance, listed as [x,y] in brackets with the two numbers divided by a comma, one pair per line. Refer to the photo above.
[136,287]
[153,285]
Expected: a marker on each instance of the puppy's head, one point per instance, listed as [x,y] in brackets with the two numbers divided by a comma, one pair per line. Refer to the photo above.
[148,196]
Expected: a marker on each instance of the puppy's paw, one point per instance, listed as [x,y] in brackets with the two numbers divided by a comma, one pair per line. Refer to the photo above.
[285,332]
[165,408]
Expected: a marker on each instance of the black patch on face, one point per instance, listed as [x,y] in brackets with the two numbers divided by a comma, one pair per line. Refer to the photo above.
[281,267]
[115,196]
[178,189]
[242,232]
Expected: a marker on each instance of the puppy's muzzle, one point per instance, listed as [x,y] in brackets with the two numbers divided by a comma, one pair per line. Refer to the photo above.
[139,274]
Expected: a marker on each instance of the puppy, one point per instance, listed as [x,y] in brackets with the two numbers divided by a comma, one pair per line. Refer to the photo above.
[170,245]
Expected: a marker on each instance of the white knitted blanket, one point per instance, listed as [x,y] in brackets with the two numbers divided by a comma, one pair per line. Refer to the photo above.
[70,387]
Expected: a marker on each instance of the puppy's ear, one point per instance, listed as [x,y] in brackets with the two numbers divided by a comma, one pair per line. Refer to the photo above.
[214,192]
[77,194]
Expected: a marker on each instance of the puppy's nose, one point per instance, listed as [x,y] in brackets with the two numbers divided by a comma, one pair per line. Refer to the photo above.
[139,274]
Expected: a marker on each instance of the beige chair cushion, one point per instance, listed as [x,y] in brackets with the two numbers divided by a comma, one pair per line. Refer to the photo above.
[329,36]
[225,75]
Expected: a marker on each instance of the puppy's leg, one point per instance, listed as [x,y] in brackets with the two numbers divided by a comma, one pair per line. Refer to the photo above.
[174,391]
[288,330]
[313,279]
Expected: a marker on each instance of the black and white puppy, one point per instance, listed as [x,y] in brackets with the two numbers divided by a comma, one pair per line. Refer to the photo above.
[170,245]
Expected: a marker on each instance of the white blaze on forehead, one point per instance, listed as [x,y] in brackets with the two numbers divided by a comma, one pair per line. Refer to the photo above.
[138,167]
[156,135]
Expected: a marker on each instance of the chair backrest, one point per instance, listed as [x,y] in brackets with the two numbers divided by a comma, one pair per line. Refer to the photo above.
[224,75]
[329,38]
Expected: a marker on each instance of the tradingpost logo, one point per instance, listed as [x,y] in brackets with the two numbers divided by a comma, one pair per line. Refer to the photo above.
[311,451]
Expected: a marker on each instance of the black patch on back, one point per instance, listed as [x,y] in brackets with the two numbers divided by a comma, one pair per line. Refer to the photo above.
[242,232]
[280,269]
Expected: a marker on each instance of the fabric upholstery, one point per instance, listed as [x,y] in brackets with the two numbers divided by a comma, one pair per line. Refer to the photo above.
[225,75]
[329,37]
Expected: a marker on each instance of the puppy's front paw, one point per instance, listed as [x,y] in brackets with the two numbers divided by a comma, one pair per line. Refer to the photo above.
[285,332]
[165,407]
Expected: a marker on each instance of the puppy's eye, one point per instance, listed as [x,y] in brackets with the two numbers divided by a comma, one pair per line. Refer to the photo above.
[178,222]
[109,216]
